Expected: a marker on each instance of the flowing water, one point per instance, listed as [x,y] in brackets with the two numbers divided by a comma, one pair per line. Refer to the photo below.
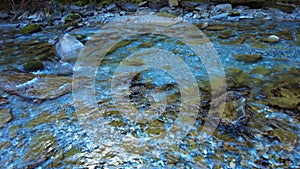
[41,125]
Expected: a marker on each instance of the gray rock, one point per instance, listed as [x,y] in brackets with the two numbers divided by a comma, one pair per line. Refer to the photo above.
[223,8]
[112,8]
[68,48]
[128,7]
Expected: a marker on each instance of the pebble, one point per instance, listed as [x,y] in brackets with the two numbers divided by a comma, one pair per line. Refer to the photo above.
[271,39]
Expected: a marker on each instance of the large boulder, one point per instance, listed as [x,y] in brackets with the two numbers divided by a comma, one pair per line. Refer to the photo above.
[68,48]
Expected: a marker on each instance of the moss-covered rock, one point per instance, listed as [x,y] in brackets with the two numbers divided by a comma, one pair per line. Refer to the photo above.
[31,28]
[235,13]
[74,17]
[248,58]
[33,66]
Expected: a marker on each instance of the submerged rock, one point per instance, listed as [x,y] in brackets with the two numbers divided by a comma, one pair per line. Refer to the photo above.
[5,116]
[248,58]
[68,48]
[35,87]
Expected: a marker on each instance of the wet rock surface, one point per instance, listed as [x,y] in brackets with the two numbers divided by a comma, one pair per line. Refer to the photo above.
[35,88]
[258,129]
[248,58]
[68,48]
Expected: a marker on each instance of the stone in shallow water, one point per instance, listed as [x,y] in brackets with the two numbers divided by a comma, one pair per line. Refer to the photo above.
[35,87]
[248,58]
[68,48]
[5,116]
